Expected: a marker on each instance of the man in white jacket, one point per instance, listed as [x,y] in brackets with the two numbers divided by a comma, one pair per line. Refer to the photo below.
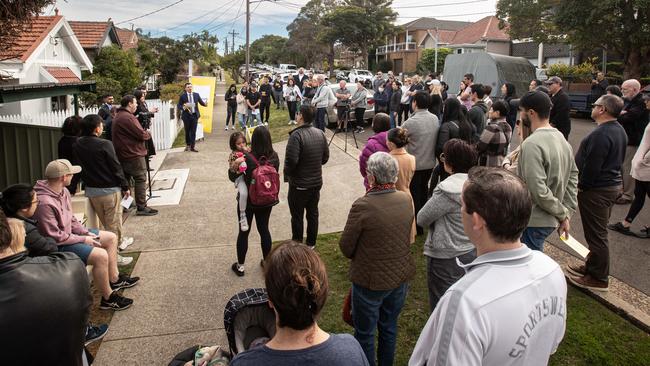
[323,98]
[510,307]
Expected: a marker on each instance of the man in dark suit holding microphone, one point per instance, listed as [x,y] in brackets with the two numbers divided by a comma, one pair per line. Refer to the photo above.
[190,114]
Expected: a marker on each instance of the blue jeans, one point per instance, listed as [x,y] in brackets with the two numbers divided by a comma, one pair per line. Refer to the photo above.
[242,120]
[534,237]
[257,115]
[320,119]
[377,309]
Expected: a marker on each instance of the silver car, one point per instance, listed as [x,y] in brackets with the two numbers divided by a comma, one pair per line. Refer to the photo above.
[370,109]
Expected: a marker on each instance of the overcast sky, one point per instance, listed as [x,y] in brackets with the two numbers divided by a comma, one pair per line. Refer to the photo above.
[221,16]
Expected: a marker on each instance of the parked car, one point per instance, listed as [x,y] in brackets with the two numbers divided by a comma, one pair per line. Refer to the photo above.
[288,67]
[343,75]
[358,74]
[331,111]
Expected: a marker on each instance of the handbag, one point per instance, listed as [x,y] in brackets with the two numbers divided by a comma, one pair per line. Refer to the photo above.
[346,311]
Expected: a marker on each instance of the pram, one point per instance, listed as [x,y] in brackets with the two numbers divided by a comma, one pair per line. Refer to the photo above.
[248,320]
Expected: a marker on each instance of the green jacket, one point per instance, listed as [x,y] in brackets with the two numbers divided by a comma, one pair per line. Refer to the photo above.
[547,166]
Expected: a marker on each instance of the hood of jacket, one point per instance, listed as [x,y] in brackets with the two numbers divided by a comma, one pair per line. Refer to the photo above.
[453,186]
[481,104]
[44,191]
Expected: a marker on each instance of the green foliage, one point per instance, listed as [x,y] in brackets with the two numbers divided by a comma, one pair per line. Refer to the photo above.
[619,26]
[384,66]
[309,37]
[231,63]
[171,91]
[105,85]
[271,49]
[581,73]
[119,65]
[15,16]
[428,60]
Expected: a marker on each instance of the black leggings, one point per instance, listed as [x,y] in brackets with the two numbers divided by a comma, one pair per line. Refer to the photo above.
[265,110]
[404,110]
[641,189]
[358,115]
[292,110]
[232,114]
[262,216]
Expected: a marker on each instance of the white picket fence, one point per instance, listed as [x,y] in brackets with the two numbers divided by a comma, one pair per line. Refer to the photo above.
[164,127]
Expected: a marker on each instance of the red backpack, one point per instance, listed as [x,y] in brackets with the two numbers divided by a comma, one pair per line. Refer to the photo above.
[265,183]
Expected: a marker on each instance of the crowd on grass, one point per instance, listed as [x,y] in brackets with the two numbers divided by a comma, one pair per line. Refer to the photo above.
[437,164]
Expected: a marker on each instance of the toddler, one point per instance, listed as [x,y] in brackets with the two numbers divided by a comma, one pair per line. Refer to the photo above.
[239,147]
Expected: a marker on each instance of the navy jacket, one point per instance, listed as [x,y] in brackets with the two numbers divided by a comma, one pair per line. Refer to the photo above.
[601,155]
[184,99]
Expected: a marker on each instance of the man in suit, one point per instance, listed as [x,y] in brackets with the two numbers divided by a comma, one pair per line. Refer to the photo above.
[105,113]
[561,109]
[300,79]
[190,114]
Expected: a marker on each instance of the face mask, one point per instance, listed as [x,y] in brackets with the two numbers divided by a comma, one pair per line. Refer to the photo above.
[381,90]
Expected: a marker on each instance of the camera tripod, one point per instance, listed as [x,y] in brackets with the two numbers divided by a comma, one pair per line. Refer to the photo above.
[343,124]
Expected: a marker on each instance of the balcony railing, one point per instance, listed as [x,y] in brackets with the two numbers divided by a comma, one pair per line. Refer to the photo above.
[396,47]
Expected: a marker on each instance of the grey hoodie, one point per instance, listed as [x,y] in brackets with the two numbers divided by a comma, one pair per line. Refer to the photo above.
[446,237]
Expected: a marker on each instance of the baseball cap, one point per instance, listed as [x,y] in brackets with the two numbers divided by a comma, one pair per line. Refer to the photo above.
[553,80]
[435,82]
[60,167]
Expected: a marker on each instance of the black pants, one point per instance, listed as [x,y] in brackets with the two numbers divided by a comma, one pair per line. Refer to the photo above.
[358,115]
[262,216]
[419,188]
[343,114]
[404,110]
[189,124]
[232,114]
[136,169]
[301,200]
[595,208]
[292,110]
[320,118]
[641,189]
[442,273]
[439,174]
[265,109]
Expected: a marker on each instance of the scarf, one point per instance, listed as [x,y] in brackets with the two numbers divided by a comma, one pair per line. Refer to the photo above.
[381,188]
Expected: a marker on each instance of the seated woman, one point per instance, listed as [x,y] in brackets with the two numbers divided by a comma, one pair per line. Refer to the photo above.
[377,237]
[296,281]
[446,239]
[19,201]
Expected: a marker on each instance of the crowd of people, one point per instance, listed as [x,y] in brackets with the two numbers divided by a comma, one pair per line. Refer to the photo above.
[436,161]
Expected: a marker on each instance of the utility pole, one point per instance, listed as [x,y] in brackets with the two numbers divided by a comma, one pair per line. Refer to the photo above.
[233,33]
[435,63]
[248,36]
[225,52]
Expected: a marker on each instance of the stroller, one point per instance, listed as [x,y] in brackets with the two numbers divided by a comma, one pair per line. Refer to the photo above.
[249,322]
[248,319]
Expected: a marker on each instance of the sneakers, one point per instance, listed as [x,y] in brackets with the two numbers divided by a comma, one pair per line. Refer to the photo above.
[123,261]
[589,283]
[124,281]
[620,228]
[95,333]
[243,222]
[644,233]
[238,269]
[290,123]
[266,123]
[126,241]
[577,269]
[226,128]
[359,130]
[115,302]
[146,211]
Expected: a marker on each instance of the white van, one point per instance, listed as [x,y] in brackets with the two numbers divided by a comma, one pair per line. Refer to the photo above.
[288,67]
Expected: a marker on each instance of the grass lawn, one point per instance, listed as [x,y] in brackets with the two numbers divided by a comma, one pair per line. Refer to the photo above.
[595,335]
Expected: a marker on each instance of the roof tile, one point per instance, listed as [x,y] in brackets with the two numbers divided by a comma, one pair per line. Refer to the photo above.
[62,74]
[486,28]
[90,34]
[129,39]
[30,38]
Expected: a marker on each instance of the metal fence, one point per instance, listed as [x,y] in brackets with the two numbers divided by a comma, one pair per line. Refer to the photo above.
[164,126]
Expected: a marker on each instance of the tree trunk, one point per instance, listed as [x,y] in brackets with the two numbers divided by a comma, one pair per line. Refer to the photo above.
[364,55]
[632,62]
[330,60]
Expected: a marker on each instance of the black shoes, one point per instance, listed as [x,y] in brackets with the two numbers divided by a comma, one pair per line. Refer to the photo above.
[239,270]
[146,211]
[124,281]
[620,228]
[115,302]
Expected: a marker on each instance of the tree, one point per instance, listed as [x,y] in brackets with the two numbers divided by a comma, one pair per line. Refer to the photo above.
[309,36]
[270,49]
[117,64]
[231,63]
[621,27]
[104,86]
[16,18]
[428,60]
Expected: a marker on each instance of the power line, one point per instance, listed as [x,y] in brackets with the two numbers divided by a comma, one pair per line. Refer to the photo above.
[150,13]
[436,5]
[232,3]
[449,16]
[189,21]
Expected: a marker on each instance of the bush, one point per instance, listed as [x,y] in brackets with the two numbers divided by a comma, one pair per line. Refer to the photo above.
[104,86]
[384,65]
[428,60]
[582,73]
[171,91]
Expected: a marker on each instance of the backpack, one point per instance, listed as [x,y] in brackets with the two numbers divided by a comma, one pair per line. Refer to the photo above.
[265,183]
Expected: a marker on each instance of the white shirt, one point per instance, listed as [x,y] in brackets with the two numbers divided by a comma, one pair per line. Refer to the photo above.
[190,100]
[509,309]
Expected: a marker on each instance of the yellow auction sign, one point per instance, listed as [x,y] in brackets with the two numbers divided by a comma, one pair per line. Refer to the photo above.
[205,86]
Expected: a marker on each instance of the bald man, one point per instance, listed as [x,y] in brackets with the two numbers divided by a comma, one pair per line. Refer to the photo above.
[634,119]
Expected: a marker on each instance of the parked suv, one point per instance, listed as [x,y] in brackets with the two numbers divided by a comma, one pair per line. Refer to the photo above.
[359,75]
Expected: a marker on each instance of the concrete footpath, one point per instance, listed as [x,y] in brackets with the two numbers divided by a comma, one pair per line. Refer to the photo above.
[187,251]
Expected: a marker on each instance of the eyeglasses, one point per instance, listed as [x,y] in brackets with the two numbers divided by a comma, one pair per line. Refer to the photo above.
[442,157]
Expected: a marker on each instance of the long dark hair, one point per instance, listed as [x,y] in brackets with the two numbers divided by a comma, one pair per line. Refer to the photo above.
[453,111]
[510,91]
[261,144]
[15,198]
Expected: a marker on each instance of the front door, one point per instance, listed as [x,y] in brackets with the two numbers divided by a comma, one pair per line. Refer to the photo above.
[398,66]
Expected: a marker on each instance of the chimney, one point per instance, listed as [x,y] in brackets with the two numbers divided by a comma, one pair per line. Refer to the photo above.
[56,11]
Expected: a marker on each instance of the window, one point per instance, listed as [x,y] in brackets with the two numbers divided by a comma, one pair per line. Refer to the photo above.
[59,103]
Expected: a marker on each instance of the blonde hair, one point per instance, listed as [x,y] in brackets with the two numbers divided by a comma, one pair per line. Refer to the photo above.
[436,89]
[17,228]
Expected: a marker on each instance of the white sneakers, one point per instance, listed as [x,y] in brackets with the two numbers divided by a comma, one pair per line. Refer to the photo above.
[124,261]
[292,122]
[126,241]
[243,223]
[227,128]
